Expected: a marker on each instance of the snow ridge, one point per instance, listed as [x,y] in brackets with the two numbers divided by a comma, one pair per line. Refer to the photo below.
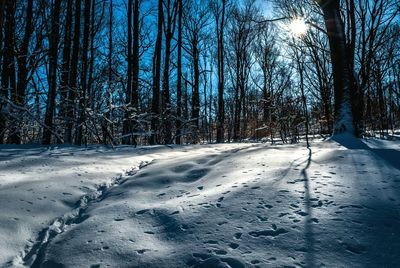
[34,255]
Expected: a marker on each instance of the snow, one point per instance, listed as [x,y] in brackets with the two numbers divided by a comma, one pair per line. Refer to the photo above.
[229,205]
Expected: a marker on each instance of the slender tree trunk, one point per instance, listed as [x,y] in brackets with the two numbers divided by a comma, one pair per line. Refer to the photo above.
[85,63]
[22,61]
[2,7]
[166,98]
[90,93]
[155,104]
[73,89]
[107,127]
[179,78]
[135,68]
[196,92]
[300,67]
[2,95]
[66,61]
[238,90]
[126,125]
[221,78]
[8,82]
[52,80]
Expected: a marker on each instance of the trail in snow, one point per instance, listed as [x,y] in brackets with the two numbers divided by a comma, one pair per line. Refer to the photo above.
[38,184]
[33,255]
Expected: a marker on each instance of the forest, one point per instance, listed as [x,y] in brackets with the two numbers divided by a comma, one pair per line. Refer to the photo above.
[179,71]
[199,133]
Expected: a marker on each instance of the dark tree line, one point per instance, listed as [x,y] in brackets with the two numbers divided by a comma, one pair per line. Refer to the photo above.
[188,71]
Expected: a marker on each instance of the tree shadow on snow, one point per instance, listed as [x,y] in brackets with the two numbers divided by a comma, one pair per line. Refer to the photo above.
[308,228]
[389,156]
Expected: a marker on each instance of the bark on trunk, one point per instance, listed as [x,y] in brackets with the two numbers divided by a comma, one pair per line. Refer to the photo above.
[179,81]
[84,82]
[340,66]
[66,61]
[221,77]
[53,61]
[155,104]
[8,82]
[72,88]
[126,126]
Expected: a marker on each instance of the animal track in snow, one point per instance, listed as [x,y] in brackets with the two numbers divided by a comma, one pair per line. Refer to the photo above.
[237,235]
[272,232]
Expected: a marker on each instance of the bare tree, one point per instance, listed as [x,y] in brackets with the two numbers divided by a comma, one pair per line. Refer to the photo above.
[155,104]
[219,8]
[52,77]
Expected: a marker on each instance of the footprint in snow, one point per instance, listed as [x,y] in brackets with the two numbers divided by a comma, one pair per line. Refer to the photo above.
[220,252]
[212,242]
[274,232]
[302,213]
[233,245]
[201,161]
[196,174]
[140,212]
[237,235]
[182,168]
[142,251]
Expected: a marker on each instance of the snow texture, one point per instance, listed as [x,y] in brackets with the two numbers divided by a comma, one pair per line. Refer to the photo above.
[230,205]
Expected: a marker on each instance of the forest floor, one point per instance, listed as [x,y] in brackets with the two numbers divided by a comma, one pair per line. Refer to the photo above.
[228,205]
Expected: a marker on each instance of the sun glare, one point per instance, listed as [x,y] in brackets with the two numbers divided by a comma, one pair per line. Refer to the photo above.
[298,27]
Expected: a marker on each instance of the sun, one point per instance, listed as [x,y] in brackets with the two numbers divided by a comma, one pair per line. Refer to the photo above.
[298,27]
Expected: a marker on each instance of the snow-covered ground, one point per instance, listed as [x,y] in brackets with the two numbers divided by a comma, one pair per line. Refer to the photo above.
[229,205]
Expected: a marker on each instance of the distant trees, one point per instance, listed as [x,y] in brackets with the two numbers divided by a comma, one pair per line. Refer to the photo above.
[189,71]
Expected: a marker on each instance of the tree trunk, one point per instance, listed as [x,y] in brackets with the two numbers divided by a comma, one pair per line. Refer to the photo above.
[22,83]
[166,101]
[107,129]
[2,95]
[340,66]
[166,98]
[221,78]
[155,103]
[179,81]
[52,80]
[66,61]
[90,92]
[126,125]
[196,91]
[135,67]
[72,88]
[84,72]
[8,82]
